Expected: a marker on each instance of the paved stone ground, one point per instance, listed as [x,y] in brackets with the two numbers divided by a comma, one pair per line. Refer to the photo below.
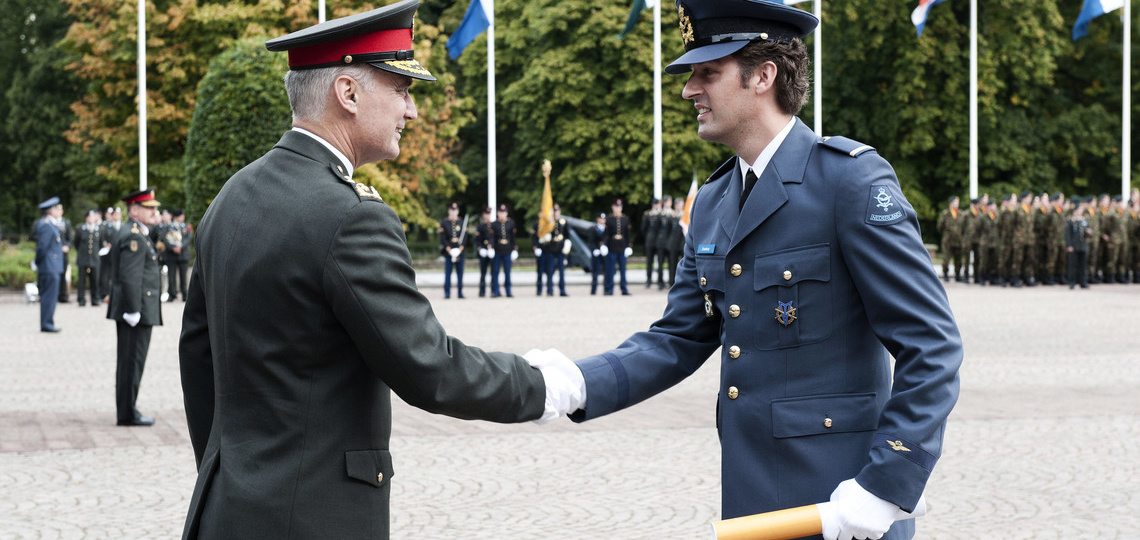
[1043,443]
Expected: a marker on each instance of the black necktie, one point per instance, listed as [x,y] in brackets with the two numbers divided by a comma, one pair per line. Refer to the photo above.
[749,182]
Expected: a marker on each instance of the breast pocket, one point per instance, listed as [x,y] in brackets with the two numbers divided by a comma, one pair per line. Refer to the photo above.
[796,286]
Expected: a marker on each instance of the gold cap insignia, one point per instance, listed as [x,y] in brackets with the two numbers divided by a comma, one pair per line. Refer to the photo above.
[686,26]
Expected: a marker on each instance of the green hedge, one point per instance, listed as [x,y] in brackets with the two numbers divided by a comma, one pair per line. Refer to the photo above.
[15,264]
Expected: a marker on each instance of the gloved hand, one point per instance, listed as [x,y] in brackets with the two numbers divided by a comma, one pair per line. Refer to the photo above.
[34,267]
[545,238]
[454,253]
[132,318]
[854,512]
[565,386]
[566,247]
[537,252]
[605,250]
[483,253]
[597,253]
[628,252]
[514,255]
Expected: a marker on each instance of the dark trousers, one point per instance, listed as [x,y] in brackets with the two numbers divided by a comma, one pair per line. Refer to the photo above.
[615,261]
[458,265]
[597,267]
[49,297]
[484,264]
[557,262]
[674,260]
[104,276]
[62,291]
[1079,268]
[504,262]
[134,342]
[176,279]
[89,277]
[541,263]
[653,253]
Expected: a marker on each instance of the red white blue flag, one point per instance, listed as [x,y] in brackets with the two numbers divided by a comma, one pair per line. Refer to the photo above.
[918,16]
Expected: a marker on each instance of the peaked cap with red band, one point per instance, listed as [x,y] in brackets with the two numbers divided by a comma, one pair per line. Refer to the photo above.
[144,197]
[382,38]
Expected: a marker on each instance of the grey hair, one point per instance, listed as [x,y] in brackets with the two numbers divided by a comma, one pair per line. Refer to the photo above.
[309,89]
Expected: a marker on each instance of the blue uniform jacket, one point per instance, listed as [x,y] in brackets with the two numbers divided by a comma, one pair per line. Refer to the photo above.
[811,289]
[49,248]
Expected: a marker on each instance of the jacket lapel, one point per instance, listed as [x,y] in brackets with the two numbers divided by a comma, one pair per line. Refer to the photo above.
[728,206]
[787,166]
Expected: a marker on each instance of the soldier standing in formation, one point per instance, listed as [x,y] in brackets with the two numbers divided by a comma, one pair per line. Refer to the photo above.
[506,251]
[556,250]
[88,242]
[650,228]
[676,241]
[1077,236]
[451,247]
[598,252]
[112,221]
[950,227]
[484,243]
[135,304]
[51,259]
[617,248]
[179,237]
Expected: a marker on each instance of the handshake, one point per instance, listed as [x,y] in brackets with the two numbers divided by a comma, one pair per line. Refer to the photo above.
[565,386]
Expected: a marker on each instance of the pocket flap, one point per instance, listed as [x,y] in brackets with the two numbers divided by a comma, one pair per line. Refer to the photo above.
[373,467]
[710,272]
[814,415]
[791,266]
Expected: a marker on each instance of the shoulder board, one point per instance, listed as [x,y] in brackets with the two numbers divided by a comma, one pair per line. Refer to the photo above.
[846,146]
[724,169]
[366,192]
[135,228]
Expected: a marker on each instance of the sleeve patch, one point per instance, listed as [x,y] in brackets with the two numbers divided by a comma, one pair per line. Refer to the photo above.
[884,206]
[906,449]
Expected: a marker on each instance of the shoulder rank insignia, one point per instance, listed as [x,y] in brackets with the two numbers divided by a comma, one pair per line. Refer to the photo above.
[367,191]
[884,206]
[897,446]
[845,145]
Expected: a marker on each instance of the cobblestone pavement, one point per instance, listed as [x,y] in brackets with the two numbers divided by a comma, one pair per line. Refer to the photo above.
[1043,443]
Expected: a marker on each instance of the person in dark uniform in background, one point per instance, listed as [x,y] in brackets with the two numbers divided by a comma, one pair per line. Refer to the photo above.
[664,222]
[1077,235]
[135,307]
[598,252]
[179,237]
[288,375]
[617,247]
[112,221]
[158,238]
[66,235]
[88,241]
[558,248]
[650,229]
[484,243]
[451,247]
[50,261]
[506,251]
[541,249]
[804,265]
[676,239]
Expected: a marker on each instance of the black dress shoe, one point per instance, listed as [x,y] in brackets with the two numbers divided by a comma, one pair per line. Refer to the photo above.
[138,420]
[52,329]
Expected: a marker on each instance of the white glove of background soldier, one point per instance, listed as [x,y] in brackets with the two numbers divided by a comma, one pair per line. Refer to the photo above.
[628,252]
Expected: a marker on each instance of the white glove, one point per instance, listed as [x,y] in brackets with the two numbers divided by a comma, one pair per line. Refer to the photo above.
[597,253]
[566,247]
[545,238]
[514,255]
[605,250]
[454,253]
[628,252]
[34,267]
[483,253]
[565,386]
[537,252]
[854,512]
[132,318]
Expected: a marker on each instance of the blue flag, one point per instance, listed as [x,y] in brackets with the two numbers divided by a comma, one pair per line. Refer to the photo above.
[918,16]
[477,19]
[1092,10]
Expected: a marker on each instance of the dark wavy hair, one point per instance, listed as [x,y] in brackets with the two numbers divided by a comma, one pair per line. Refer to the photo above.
[791,59]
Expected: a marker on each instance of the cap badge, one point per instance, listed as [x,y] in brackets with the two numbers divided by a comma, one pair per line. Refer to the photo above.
[785,313]
[348,58]
[686,26]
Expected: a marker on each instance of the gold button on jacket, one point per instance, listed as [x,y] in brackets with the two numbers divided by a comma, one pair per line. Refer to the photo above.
[734,352]
[827,422]
[704,282]
[380,477]
[733,393]
[734,311]
[736,269]
[787,275]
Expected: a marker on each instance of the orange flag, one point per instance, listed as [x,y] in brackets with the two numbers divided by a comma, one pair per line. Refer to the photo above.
[546,209]
[688,206]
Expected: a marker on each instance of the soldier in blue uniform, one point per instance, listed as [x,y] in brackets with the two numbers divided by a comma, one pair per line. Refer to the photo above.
[598,252]
[506,251]
[618,249]
[484,243]
[50,261]
[558,247]
[451,247]
[809,287]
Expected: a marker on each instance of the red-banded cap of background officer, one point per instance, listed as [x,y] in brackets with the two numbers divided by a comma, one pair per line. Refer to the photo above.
[142,197]
[381,38]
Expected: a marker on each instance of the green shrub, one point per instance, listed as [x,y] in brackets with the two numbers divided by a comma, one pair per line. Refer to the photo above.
[15,264]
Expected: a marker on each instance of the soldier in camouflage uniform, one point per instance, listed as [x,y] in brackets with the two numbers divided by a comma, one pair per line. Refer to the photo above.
[1006,222]
[1117,250]
[950,227]
[1023,262]
[971,239]
[1042,229]
[1057,249]
[990,240]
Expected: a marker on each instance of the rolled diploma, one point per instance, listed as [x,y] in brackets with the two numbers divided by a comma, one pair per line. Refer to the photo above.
[779,525]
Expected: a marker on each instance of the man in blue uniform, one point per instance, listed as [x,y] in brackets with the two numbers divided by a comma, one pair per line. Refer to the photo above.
[618,248]
[50,261]
[451,247]
[804,263]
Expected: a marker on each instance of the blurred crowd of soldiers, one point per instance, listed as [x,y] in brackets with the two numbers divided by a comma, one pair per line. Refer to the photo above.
[1022,240]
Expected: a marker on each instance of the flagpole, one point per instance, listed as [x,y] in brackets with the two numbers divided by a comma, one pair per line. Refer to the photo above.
[492,184]
[973,99]
[321,11]
[657,158]
[1126,112]
[142,92]
[818,68]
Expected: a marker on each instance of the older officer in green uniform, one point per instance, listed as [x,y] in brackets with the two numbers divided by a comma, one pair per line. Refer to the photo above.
[135,306]
[804,266]
[287,375]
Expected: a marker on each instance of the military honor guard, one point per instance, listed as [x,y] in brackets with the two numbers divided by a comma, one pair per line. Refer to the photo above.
[804,265]
[950,228]
[597,242]
[452,236]
[112,221]
[651,229]
[88,241]
[485,245]
[135,306]
[179,236]
[541,256]
[506,251]
[558,247]
[1077,235]
[50,261]
[676,240]
[618,248]
[287,374]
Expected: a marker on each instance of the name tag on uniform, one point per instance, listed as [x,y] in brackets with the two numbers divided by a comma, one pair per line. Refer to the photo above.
[706,249]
